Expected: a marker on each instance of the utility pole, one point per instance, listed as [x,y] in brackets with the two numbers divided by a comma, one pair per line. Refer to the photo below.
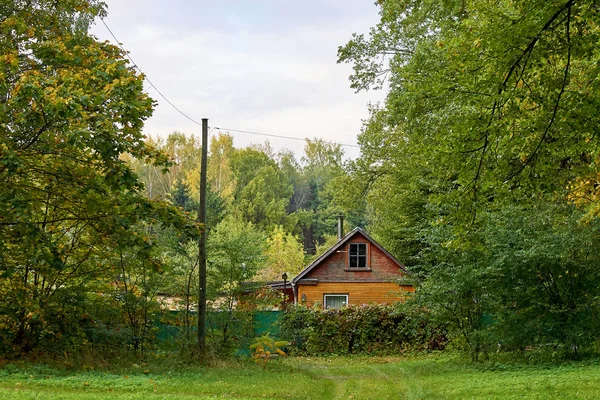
[202,246]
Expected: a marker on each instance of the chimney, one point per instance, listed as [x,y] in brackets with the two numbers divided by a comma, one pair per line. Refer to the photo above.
[340,227]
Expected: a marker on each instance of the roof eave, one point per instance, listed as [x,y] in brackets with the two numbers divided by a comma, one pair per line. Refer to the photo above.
[326,254]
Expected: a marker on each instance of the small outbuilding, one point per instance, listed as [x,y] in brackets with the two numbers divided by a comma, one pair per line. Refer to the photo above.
[356,270]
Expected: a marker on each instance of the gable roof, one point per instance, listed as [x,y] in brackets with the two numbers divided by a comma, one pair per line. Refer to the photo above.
[339,244]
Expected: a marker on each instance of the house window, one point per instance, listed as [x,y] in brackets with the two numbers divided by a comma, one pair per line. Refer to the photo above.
[335,300]
[357,255]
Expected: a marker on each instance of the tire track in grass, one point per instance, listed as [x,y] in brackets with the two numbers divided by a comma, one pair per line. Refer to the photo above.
[364,380]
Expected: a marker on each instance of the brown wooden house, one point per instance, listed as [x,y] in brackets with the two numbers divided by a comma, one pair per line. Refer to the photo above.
[356,270]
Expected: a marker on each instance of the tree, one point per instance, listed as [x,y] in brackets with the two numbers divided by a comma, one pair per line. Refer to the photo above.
[320,166]
[219,165]
[182,197]
[328,243]
[262,190]
[322,160]
[284,253]
[245,164]
[472,165]
[234,256]
[546,274]
[264,199]
[293,171]
[70,107]
[183,153]
[498,98]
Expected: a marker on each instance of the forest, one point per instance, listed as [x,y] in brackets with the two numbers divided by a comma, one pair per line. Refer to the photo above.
[479,172]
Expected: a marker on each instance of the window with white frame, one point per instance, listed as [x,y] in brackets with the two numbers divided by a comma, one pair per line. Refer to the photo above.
[357,255]
[335,300]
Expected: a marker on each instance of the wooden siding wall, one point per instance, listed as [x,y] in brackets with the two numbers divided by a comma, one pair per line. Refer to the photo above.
[358,292]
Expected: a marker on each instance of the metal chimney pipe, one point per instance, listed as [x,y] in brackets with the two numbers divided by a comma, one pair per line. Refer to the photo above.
[340,227]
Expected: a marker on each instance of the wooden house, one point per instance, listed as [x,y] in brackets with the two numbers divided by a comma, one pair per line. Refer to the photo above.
[356,270]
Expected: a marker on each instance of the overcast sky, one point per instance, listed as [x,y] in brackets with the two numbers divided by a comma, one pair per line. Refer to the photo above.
[267,66]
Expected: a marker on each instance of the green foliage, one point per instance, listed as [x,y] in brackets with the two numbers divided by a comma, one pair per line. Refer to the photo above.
[368,329]
[181,195]
[183,153]
[329,241]
[479,169]
[490,99]
[525,278]
[71,108]
[321,164]
[235,253]
[219,171]
[283,253]
[262,190]
[263,200]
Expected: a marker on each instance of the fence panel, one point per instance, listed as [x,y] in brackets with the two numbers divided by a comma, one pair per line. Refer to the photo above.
[244,330]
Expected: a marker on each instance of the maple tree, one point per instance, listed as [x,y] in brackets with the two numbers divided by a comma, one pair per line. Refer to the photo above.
[70,107]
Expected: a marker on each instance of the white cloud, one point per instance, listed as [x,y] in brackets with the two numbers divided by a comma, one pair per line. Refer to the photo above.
[247,69]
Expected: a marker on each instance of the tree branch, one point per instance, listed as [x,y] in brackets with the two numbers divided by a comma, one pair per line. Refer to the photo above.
[556,104]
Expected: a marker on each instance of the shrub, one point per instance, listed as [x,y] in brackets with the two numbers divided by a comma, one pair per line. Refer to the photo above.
[265,347]
[374,328]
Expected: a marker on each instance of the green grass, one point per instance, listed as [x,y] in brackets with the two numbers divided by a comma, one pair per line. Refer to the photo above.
[422,377]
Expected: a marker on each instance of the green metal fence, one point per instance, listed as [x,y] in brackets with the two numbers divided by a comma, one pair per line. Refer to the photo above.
[241,327]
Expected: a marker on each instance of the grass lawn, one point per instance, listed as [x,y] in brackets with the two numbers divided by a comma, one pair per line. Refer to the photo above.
[423,377]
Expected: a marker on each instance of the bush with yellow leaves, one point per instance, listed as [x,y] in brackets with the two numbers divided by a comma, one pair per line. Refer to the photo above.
[265,347]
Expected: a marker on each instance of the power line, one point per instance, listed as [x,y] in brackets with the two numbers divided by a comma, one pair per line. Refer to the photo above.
[146,77]
[198,123]
[281,136]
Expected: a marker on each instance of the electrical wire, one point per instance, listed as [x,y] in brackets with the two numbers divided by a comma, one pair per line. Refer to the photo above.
[198,123]
[281,136]
[146,77]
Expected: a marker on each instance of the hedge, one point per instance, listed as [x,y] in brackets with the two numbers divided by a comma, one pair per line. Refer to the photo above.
[367,329]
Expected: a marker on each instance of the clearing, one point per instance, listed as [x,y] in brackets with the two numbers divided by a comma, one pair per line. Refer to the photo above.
[421,377]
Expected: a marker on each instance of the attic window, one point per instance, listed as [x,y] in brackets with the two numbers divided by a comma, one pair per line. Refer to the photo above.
[357,257]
